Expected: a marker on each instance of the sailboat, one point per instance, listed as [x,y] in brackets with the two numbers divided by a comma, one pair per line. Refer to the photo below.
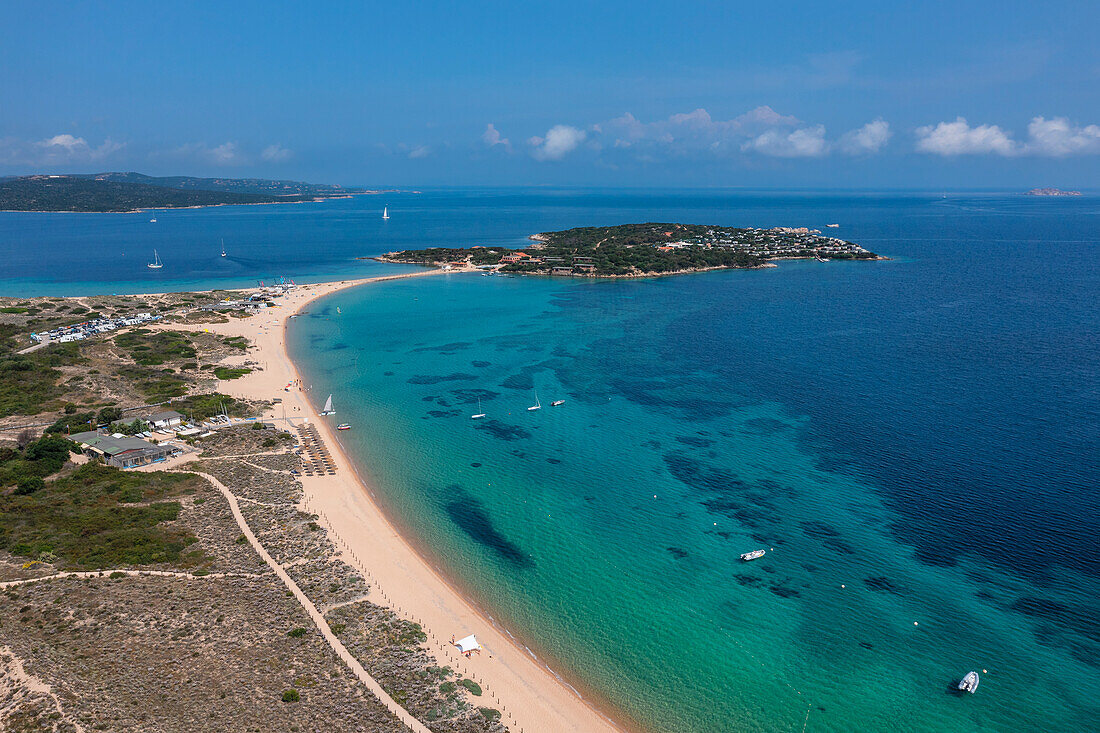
[479,414]
[537,405]
[328,407]
[385,212]
[156,263]
[223,248]
[153,220]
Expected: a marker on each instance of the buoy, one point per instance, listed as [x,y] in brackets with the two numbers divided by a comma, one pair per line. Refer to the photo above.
[842,585]
[915,623]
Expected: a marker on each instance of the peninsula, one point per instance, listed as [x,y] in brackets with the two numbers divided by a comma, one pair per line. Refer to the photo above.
[642,250]
[128,192]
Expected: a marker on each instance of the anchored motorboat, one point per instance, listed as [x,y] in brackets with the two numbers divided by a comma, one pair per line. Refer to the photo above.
[969,683]
[557,403]
[752,555]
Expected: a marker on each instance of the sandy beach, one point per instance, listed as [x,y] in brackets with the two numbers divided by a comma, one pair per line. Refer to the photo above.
[530,696]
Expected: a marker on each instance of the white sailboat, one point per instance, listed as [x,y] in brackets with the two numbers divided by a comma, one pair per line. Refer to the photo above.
[328,407]
[385,212]
[156,263]
[223,248]
[479,414]
[153,220]
[537,405]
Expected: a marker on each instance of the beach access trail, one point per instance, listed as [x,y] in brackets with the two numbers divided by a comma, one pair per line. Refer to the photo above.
[531,698]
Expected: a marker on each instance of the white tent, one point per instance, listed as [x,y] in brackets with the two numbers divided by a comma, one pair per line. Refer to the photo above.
[469,644]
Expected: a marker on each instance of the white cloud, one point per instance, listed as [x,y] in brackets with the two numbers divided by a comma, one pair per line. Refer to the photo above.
[1058,137]
[870,138]
[806,142]
[560,140]
[225,153]
[492,137]
[67,148]
[420,151]
[228,153]
[959,138]
[276,153]
[695,130]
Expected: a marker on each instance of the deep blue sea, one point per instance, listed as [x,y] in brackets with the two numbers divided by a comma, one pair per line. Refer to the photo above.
[914,441]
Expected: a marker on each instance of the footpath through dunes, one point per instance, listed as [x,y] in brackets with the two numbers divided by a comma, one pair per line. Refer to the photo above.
[531,697]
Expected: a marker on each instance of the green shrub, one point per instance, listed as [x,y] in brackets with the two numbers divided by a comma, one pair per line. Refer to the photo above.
[291,695]
[473,687]
[257,426]
[228,373]
[296,633]
[29,485]
[489,714]
[109,415]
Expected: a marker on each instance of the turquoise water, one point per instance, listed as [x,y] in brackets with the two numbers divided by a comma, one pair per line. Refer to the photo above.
[921,431]
[913,441]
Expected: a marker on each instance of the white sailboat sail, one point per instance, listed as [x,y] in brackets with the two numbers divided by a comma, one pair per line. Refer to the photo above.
[385,212]
[328,407]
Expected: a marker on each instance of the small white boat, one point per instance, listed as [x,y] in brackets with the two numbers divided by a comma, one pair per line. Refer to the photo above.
[557,403]
[479,414]
[156,263]
[819,258]
[153,220]
[223,248]
[344,426]
[537,405]
[385,212]
[328,407]
[745,557]
[969,683]
[832,226]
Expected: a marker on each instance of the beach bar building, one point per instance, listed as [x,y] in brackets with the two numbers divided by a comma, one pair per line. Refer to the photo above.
[122,451]
[166,419]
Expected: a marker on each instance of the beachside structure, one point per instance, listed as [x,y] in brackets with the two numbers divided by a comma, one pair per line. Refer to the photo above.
[468,644]
[122,451]
[166,419]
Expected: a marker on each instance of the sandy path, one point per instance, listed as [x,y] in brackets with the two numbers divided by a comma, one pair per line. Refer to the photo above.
[530,696]
[315,615]
[109,573]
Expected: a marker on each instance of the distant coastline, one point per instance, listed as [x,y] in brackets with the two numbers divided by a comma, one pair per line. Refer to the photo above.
[127,193]
[1051,192]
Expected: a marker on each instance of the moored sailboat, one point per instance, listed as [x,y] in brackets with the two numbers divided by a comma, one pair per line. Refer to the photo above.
[156,263]
[537,405]
[328,407]
[479,414]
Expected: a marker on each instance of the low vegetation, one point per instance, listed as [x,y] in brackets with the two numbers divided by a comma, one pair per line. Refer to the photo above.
[153,348]
[99,517]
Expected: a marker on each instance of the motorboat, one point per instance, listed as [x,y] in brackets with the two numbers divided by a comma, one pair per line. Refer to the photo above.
[969,683]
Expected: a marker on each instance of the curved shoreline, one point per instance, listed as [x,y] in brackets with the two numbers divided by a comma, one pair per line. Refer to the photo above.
[532,696]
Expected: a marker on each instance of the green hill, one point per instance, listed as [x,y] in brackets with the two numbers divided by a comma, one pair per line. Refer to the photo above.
[133,192]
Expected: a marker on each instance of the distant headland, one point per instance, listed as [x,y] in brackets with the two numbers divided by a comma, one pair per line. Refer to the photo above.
[1051,192]
[128,192]
[643,250]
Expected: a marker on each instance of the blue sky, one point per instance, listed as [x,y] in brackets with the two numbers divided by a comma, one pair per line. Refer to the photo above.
[778,94]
